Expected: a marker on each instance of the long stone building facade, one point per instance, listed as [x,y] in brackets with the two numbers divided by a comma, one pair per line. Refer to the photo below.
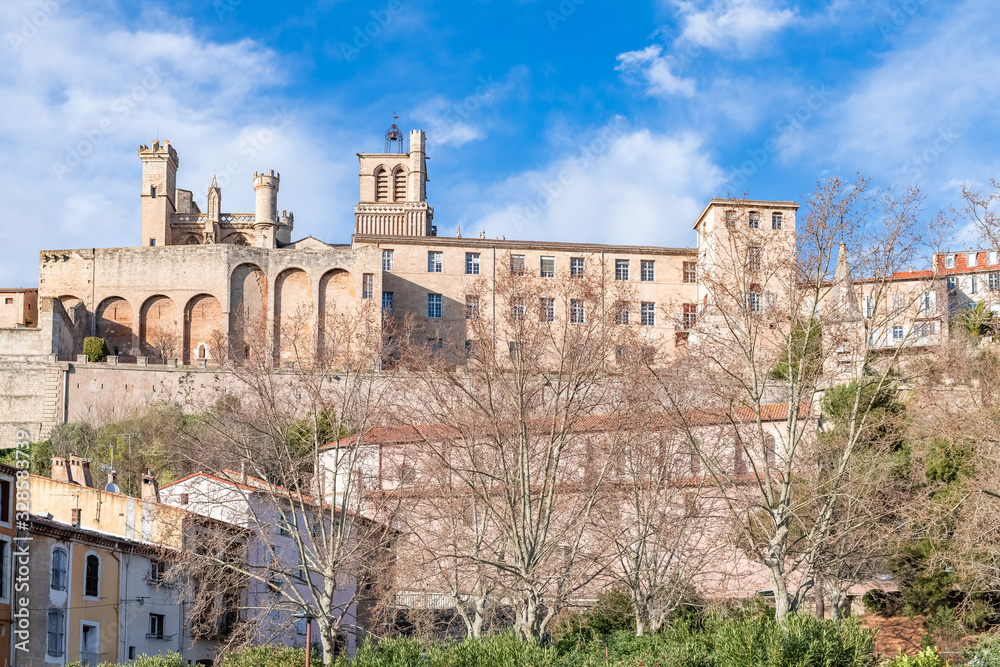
[198,278]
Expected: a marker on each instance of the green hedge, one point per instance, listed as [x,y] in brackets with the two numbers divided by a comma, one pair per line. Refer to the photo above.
[95,349]
[160,660]
[269,656]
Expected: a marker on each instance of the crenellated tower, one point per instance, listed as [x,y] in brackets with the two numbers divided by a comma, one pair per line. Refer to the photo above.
[393,199]
[159,192]
[266,208]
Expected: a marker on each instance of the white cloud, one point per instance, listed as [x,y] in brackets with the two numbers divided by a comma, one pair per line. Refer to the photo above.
[654,69]
[925,113]
[739,27]
[624,186]
[81,93]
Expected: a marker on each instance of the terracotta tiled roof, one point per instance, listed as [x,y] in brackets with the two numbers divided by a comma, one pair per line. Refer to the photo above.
[384,435]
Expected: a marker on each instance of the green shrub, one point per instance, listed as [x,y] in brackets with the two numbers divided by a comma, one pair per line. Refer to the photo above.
[927,658]
[269,656]
[159,660]
[942,627]
[805,640]
[978,616]
[985,652]
[95,349]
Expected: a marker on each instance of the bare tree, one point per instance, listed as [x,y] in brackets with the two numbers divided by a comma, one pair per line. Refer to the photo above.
[784,321]
[320,542]
[537,355]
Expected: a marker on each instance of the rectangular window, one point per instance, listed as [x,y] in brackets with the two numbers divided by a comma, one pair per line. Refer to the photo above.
[647,272]
[577,311]
[775,221]
[367,285]
[155,626]
[156,570]
[648,312]
[548,267]
[517,308]
[949,261]
[472,307]
[754,220]
[928,302]
[621,269]
[689,315]
[92,576]
[897,334]
[730,218]
[387,302]
[753,258]
[517,265]
[5,497]
[992,257]
[547,310]
[869,307]
[622,314]
[387,260]
[434,306]
[897,302]
[952,283]
[971,259]
[9,300]
[472,263]
[435,262]
[152,242]
[4,568]
[690,272]
[56,636]
[974,285]
[576,267]
[753,302]
[994,281]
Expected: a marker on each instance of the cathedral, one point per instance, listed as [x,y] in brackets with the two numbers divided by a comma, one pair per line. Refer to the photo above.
[198,274]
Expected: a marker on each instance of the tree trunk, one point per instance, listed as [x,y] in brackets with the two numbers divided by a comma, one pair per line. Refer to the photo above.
[820,601]
[781,601]
[327,638]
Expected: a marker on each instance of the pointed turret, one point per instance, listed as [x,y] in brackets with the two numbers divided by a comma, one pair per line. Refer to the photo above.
[214,212]
[842,301]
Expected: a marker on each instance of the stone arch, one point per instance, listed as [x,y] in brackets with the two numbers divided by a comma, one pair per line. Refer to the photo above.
[203,327]
[115,324]
[235,239]
[247,311]
[293,332]
[191,240]
[71,339]
[399,184]
[158,337]
[381,184]
[337,299]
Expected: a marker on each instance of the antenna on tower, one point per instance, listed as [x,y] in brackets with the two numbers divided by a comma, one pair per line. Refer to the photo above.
[394,134]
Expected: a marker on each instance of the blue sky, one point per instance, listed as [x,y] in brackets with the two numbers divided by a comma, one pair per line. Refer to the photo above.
[546,119]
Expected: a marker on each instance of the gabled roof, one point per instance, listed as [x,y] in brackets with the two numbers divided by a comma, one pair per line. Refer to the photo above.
[247,483]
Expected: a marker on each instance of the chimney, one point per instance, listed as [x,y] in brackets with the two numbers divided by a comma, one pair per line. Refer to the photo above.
[60,472]
[112,477]
[150,488]
[75,517]
[79,471]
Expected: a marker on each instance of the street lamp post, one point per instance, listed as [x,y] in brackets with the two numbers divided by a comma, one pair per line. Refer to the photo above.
[308,618]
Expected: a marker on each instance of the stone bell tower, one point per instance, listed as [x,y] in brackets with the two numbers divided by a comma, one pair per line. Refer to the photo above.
[159,192]
[393,198]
